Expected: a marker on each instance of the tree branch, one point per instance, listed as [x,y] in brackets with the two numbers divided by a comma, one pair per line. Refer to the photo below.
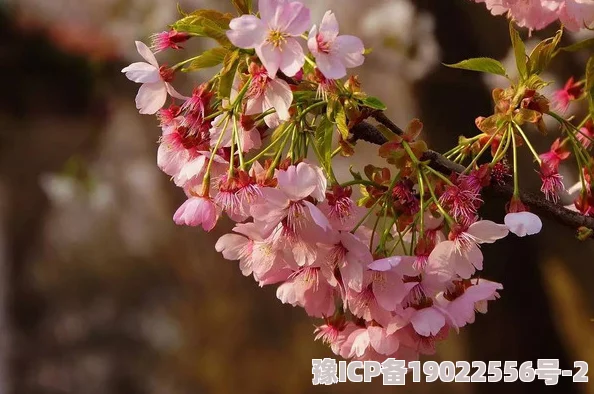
[367,132]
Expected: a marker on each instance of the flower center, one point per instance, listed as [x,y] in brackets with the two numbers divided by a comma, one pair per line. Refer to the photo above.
[277,37]
[323,46]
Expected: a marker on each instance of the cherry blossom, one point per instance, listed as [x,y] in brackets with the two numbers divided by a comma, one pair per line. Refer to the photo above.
[334,53]
[154,79]
[274,35]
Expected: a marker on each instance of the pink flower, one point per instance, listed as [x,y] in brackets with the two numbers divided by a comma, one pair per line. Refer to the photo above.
[462,201]
[555,156]
[289,202]
[154,79]
[309,287]
[350,255]
[265,93]
[197,211]
[570,92]
[168,39]
[374,338]
[576,14]
[461,255]
[552,181]
[334,53]
[274,35]
[466,297]
[586,134]
[264,257]
[334,334]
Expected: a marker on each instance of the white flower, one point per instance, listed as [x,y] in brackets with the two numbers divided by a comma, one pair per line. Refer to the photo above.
[155,81]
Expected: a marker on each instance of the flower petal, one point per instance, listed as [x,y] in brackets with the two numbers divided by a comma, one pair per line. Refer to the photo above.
[246,32]
[296,18]
[292,57]
[523,223]
[151,97]
[329,26]
[142,72]
[146,53]
[486,231]
[279,96]
[351,50]
[330,65]
[270,56]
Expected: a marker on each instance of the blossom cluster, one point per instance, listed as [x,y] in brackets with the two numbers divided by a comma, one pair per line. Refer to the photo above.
[538,14]
[389,259]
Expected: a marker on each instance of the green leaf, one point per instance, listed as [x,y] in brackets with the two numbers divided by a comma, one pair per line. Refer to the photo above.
[543,53]
[341,122]
[374,102]
[226,75]
[590,84]
[324,133]
[578,46]
[210,58]
[242,6]
[519,51]
[331,109]
[206,23]
[481,64]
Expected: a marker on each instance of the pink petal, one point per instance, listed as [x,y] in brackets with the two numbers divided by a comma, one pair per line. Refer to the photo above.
[246,32]
[330,65]
[381,342]
[318,217]
[329,26]
[486,231]
[174,93]
[146,53]
[231,245]
[296,18]
[292,57]
[427,322]
[270,56]
[279,96]
[142,73]
[312,41]
[151,97]
[523,223]
[388,290]
[351,50]
[271,11]
[298,182]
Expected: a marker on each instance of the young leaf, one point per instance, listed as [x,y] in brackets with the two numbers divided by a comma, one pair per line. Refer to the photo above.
[481,64]
[578,46]
[210,58]
[324,134]
[341,122]
[374,102]
[519,51]
[242,6]
[543,53]
[205,23]
[230,64]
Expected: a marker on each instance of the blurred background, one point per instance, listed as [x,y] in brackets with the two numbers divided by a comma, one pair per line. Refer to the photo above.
[101,293]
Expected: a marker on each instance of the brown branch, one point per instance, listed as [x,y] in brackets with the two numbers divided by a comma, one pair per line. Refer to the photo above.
[367,132]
